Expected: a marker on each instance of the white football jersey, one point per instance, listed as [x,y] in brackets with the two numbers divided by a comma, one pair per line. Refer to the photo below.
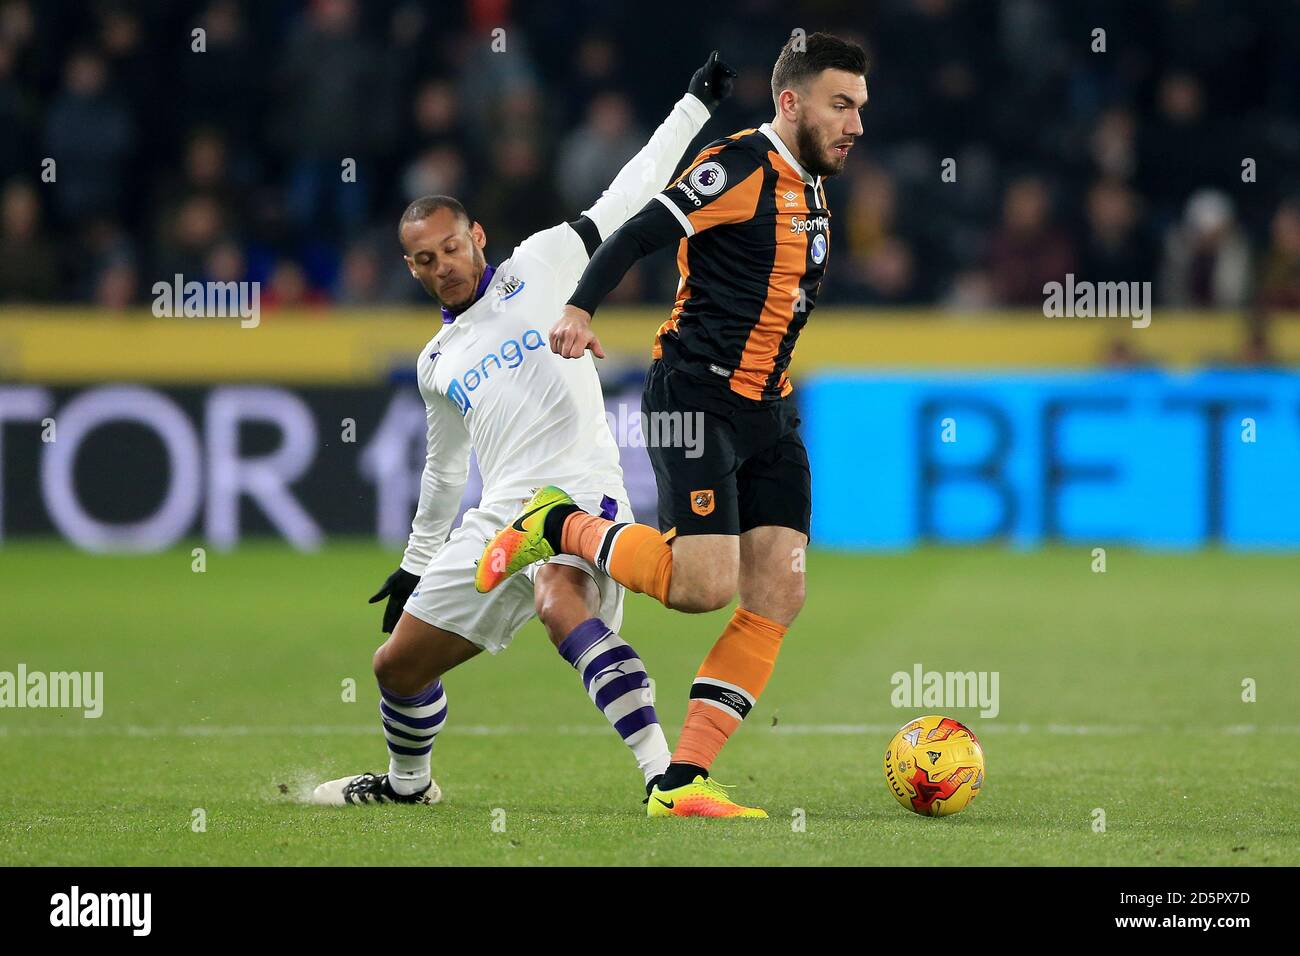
[491,382]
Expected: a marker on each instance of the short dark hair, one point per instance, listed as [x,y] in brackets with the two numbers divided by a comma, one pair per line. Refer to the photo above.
[803,58]
[426,206]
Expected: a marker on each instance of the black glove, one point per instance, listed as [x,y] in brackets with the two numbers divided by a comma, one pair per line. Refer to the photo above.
[397,589]
[712,82]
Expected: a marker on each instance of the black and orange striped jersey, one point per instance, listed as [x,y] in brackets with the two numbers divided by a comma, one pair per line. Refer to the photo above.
[751,262]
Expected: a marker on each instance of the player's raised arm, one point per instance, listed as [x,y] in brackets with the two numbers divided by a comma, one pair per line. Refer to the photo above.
[650,169]
[567,247]
[721,185]
[446,471]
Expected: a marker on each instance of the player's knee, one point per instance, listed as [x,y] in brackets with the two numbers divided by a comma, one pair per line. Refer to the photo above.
[564,597]
[393,678]
[703,580]
[778,600]
[702,596]
[383,667]
[549,612]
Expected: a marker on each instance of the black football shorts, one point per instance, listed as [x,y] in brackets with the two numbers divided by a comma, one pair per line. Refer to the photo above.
[723,463]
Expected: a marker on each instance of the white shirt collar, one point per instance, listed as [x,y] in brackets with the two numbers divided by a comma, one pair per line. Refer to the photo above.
[784,151]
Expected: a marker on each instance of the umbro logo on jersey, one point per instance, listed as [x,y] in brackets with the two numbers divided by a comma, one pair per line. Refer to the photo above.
[690,194]
[791,198]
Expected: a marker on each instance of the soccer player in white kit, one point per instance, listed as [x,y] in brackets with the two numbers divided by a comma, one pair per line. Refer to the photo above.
[533,418]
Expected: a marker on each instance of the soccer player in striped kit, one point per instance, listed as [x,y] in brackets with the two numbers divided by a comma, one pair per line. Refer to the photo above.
[753,236]
[533,418]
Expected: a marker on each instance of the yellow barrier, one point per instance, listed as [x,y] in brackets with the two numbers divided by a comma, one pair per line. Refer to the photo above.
[361,346]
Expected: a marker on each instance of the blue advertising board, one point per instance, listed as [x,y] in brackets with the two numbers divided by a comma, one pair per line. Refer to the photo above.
[1147,458]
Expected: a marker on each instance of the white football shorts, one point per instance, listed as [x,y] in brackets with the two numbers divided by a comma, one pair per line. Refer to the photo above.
[446,597]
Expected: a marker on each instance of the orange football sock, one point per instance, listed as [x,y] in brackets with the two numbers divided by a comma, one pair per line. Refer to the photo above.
[727,685]
[634,555]
[582,534]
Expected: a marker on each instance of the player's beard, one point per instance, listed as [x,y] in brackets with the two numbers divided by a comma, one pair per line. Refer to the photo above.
[816,154]
[465,291]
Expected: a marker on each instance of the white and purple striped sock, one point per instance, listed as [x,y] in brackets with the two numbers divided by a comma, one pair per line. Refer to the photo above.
[617,684]
[410,726]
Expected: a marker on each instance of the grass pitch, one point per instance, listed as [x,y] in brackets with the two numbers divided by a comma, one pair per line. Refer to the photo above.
[1119,692]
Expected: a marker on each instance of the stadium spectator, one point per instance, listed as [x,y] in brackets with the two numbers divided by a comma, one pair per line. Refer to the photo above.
[871,214]
[28,258]
[595,70]
[360,276]
[1181,149]
[593,153]
[1113,144]
[1279,274]
[106,264]
[1206,257]
[116,286]
[327,77]
[1029,250]
[220,83]
[90,135]
[970,291]
[1115,247]
[884,276]
[519,198]
[225,263]
[192,232]
[882,268]
[204,172]
[435,117]
[437,171]
[289,289]
[15,120]
[447,99]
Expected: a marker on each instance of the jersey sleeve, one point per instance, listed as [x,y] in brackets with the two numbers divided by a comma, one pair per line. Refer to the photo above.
[446,472]
[720,186]
[646,172]
[566,248]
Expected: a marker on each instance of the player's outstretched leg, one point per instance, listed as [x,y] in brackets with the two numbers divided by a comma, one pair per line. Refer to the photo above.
[634,555]
[617,683]
[725,689]
[410,726]
[521,542]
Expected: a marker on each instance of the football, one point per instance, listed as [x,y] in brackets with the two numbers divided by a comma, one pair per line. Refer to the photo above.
[934,766]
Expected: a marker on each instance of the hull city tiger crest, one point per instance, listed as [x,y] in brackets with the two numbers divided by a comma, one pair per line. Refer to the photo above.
[702,502]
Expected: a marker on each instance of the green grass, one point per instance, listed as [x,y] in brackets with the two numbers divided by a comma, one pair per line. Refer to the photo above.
[223,693]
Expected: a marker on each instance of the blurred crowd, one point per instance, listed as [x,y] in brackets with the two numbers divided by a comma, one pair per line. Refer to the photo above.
[1172,154]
